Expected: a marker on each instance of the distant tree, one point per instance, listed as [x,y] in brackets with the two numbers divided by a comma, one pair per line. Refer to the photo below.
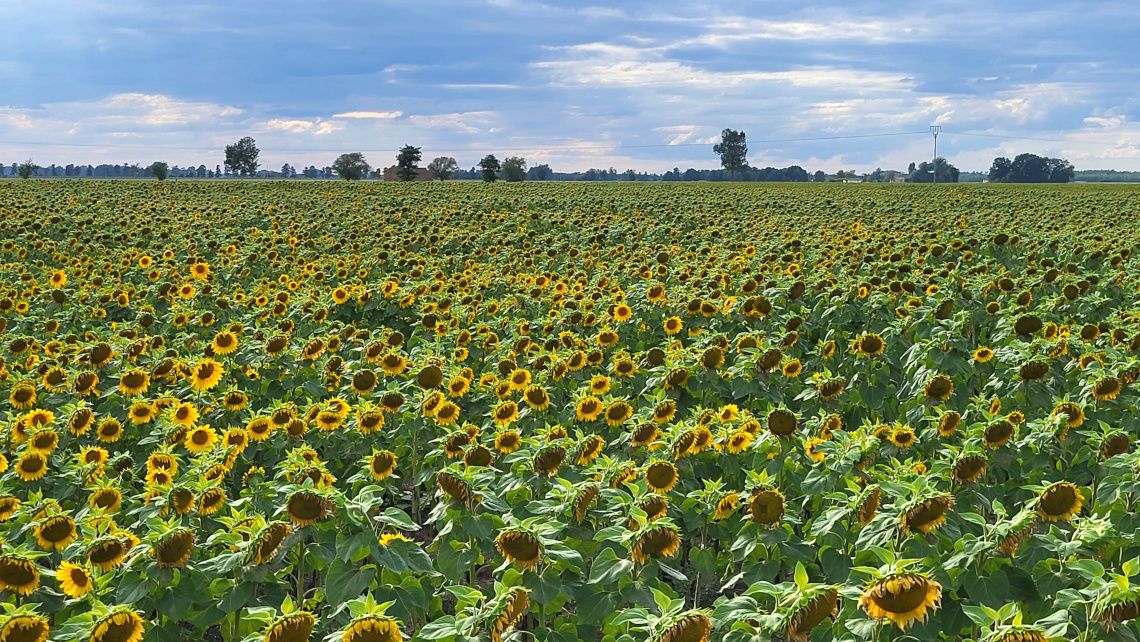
[351,167]
[241,157]
[630,175]
[539,173]
[910,169]
[1031,168]
[925,172]
[285,169]
[733,150]
[159,170]
[489,166]
[217,171]
[514,169]
[27,169]
[407,161]
[443,167]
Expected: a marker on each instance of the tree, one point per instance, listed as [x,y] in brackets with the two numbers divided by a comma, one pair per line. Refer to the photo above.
[159,170]
[819,176]
[733,150]
[286,170]
[406,160]
[514,169]
[241,157]
[351,167]
[27,168]
[1031,168]
[539,173]
[489,166]
[443,167]
[924,173]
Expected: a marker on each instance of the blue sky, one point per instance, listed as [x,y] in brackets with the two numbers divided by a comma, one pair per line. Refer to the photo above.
[644,85]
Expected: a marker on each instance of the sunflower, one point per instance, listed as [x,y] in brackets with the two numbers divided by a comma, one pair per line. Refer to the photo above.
[458,387]
[26,627]
[18,575]
[588,408]
[664,412]
[870,345]
[549,459]
[585,499]
[507,441]
[926,515]
[225,342]
[381,464]
[510,610]
[134,382]
[811,609]
[661,476]
[364,382]
[268,542]
[205,375]
[1106,389]
[1060,501]
[792,368]
[9,504]
[107,499]
[590,449]
[726,505]
[519,547]
[200,439]
[969,468]
[173,549]
[306,507]
[393,364]
[31,466]
[655,541]
[107,553]
[211,501]
[983,354]
[739,442]
[997,433]
[939,387]
[902,437]
[691,626]
[782,422]
[74,580]
[1074,415]
[296,627]
[766,506]
[453,486]
[504,414]
[902,598]
[1020,633]
[85,383]
[644,435]
[1115,444]
[23,395]
[372,628]
[673,325]
[617,412]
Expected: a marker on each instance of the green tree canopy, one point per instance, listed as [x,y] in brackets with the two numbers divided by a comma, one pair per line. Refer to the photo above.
[514,169]
[490,166]
[159,169]
[351,167]
[733,150]
[443,167]
[241,157]
[408,162]
[1031,168]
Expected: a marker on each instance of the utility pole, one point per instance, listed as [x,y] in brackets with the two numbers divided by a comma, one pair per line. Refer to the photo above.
[934,131]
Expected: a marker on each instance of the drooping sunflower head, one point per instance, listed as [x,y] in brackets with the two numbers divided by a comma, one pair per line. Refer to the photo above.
[782,422]
[506,611]
[120,625]
[1060,501]
[453,486]
[268,542]
[549,459]
[295,627]
[1019,633]
[55,533]
[24,627]
[661,476]
[520,547]
[1120,605]
[939,388]
[584,500]
[655,540]
[926,515]
[810,609]
[19,575]
[948,423]
[173,549]
[902,598]
[969,467]
[373,628]
[998,433]
[868,504]
[690,626]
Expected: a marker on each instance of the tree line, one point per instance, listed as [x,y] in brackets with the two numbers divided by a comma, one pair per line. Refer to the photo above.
[241,160]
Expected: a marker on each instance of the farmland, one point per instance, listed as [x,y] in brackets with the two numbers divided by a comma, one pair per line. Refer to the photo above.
[373,412]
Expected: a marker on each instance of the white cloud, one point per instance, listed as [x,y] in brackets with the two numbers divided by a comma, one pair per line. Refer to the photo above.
[370,115]
[1105,122]
[468,122]
[153,109]
[317,126]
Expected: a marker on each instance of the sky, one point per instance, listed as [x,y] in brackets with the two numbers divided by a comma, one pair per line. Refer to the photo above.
[642,85]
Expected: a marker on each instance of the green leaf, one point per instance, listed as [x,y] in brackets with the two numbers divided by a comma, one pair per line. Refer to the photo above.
[801,575]
[607,568]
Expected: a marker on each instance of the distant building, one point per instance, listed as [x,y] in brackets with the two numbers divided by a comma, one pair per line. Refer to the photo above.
[391,174]
[898,178]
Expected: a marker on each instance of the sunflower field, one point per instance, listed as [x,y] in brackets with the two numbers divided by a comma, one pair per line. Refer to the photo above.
[283,412]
